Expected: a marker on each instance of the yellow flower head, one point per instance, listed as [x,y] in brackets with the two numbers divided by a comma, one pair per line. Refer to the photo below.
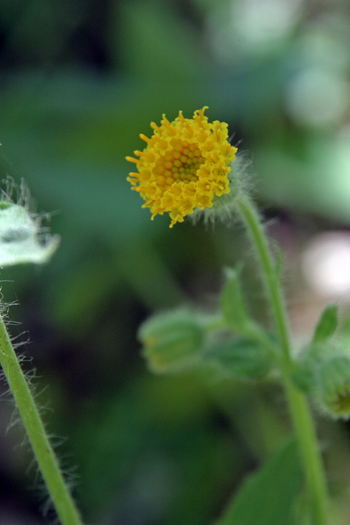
[184,166]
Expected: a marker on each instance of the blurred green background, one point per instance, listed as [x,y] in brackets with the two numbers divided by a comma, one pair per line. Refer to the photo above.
[78,82]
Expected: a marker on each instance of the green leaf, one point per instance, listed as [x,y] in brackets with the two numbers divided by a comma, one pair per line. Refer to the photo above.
[327,324]
[270,496]
[232,304]
[242,359]
[21,240]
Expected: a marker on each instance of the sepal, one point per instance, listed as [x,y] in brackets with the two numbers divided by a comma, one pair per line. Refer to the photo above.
[232,304]
[303,377]
[240,358]
[326,325]
[307,364]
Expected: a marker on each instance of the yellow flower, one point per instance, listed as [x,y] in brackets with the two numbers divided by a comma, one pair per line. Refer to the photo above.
[184,166]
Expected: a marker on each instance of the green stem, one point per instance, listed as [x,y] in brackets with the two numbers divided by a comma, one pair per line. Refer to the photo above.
[300,412]
[45,456]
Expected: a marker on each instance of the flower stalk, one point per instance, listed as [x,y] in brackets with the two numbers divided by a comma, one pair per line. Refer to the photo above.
[33,424]
[299,409]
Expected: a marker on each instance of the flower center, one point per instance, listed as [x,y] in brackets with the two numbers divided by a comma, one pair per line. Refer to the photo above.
[342,403]
[180,163]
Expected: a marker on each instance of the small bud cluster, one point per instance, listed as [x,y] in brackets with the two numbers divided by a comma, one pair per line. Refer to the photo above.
[235,346]
[229,343]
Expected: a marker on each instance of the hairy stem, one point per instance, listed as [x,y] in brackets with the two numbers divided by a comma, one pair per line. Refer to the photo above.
[33,424]
[299,408]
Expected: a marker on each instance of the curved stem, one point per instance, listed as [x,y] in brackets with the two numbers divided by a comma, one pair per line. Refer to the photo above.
[300,412]
[33,424]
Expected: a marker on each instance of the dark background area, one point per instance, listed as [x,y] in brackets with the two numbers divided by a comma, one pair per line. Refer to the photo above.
[78,82]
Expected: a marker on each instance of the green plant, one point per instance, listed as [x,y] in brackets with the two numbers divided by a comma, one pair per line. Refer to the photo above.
[216,185]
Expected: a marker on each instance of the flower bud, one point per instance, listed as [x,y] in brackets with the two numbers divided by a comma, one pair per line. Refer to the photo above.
[172,341]
[307,365]
[239,358]
[334,386]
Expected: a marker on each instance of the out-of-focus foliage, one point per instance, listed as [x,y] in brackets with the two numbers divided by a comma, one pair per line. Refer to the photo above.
[261,500]
[79,82]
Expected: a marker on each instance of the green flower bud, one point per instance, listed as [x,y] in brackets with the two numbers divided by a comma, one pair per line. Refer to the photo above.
[172,341]
[334,386]
[242,359]
[308,363]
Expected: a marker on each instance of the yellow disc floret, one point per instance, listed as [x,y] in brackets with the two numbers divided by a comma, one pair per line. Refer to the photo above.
[184,166]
